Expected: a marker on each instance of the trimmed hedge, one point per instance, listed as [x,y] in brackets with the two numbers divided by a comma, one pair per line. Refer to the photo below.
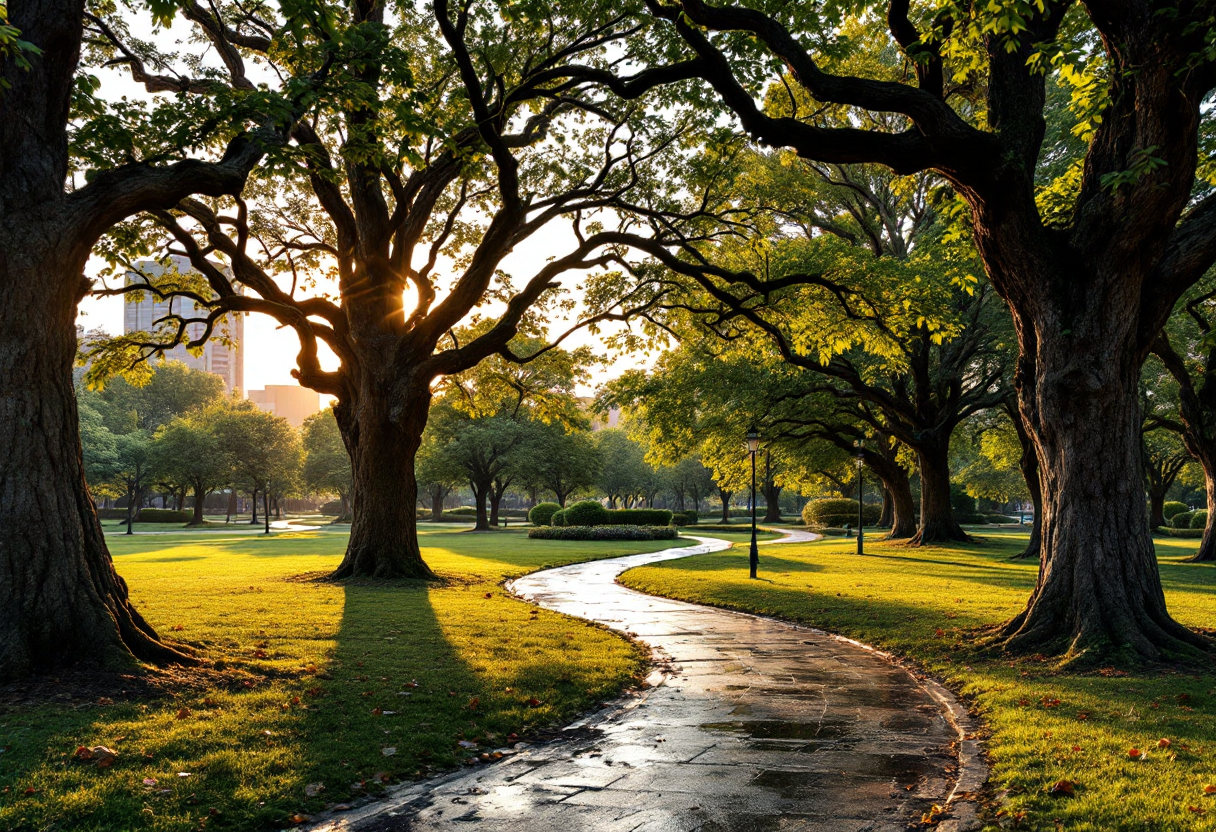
[684,518]
[1199,519]
[637,517]
[542,513]
[837,513]
[1173,507]
[603,533]
[163,515]
[1182,520]
[1001,519]
[1168,532]
[968,518]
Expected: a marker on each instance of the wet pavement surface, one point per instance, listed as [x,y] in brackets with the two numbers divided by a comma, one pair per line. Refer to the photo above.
[750,724]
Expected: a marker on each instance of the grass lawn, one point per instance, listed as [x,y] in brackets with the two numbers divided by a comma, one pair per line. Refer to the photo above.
[347,686]
[1046,725]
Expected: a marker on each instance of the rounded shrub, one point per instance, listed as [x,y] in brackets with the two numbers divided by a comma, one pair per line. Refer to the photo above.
[163,515]
[679,518]
[1199,519]
[835,513]
[558,518]
[1182,520]
[542,514]
[1173,507]
[586,513]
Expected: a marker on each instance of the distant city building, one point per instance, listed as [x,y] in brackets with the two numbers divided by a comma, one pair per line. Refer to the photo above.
[142,312]
[290,401]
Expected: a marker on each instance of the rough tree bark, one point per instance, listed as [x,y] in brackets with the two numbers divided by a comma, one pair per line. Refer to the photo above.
[61,601]
[725,496]
[60,598]
[200,497]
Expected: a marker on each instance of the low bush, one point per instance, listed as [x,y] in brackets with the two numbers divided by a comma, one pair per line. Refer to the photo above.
[636,517]
[1001,519]
[558,518]
[586,513]
[542,513]
[1168,532]
[1199,519]
[1173,507]
[163,515]
[682,518]
[603,533]
[968,518]
[833,512]
[333,508]
[1182,520]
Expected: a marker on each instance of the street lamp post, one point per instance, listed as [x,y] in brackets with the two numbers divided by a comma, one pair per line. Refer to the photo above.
[753,445]
[860,523]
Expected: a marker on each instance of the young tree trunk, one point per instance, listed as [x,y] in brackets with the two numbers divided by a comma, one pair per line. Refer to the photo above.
[200,497]
[1156,507]
[266,509]
[496,495]
[937,523]
[772,506]
[130,508]
[725,496]
[382,438]
[438,492]
[253,500]
[61,601]
[481,493]
[1099,589]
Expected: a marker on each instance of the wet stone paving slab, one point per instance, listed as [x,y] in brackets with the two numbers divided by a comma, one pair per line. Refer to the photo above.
[752,724]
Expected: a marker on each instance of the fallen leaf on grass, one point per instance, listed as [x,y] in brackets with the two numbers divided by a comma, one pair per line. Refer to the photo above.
[177,628]
[389,751]
[31,790]
[150,781]
[105,700]
[99,754]
[1197,810]
[1063,788]
[473,703]
[467,744]
[1163,743]
[183,713]
[534,702]
[1135,753]
[314,789]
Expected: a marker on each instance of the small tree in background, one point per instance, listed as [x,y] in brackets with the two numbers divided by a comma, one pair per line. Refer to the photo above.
[188,451]
[261,450]
[326,462]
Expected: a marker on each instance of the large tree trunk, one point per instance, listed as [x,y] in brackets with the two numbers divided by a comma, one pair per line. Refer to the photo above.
[1099,589]
[60,599]
[937,523]
[1156,507]
[382,439]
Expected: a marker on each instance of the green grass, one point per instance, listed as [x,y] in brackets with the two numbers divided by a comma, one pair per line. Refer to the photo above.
[319,659]
[927,603]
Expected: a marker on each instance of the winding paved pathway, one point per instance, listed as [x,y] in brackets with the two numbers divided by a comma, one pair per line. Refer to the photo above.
[750,725]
